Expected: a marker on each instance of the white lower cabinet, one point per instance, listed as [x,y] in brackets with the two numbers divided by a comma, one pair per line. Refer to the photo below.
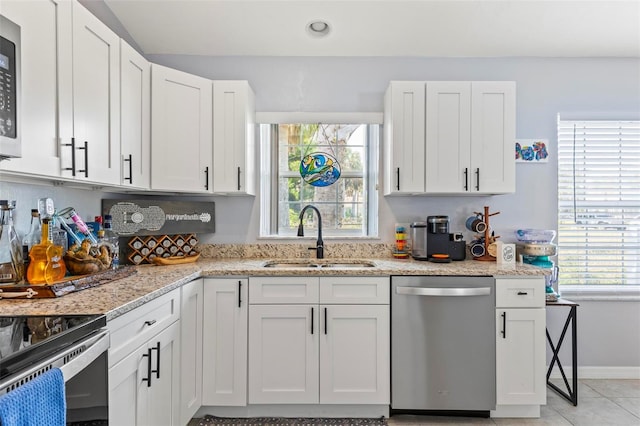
[315,352]
[143,387]
[144,364]
[224,371]
[283,354]
[354,354]
[191,323]
[520,342]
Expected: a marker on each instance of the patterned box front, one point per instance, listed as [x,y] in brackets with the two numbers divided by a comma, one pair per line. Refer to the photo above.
[142,249]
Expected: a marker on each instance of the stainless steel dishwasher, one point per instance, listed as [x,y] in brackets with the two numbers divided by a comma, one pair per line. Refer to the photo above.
[443,344]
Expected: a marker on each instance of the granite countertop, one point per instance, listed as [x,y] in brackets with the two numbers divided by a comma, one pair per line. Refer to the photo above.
[150,281]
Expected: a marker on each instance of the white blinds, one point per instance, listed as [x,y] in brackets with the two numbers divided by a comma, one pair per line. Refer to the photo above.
[599,202]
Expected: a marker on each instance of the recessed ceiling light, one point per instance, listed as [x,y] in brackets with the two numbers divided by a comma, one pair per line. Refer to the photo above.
[318,28]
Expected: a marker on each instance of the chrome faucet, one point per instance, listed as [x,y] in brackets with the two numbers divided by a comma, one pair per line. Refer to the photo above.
[319,244]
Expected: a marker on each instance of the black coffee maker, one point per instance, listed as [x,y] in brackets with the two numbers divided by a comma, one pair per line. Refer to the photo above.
[441,245]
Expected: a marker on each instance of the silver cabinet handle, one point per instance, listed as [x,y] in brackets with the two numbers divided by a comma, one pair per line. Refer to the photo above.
[436,291]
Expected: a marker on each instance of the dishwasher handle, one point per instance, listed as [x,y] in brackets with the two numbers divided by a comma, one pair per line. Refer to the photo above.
[444,291]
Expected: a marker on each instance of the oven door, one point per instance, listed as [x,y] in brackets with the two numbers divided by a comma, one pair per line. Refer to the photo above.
[85,369]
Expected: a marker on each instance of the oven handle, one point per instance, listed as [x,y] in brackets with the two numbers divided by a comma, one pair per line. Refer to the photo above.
[436,291]
[95,345]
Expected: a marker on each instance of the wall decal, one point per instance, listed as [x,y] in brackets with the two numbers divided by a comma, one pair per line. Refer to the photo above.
[532,151]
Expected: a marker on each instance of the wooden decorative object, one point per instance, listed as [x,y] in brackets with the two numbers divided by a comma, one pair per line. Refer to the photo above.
[485,218]
[146,249]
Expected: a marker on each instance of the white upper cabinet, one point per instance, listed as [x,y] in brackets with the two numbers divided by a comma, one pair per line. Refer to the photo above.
[135,118]
[181,131]
[233,138]
[40,37]
[90,128]
[493,136]
[404,147]
[470,137]
[450,137]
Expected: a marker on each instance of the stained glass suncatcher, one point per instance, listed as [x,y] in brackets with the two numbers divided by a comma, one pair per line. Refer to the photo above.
[319,169]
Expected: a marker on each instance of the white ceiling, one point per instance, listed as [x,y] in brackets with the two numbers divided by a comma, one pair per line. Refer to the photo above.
[426,28]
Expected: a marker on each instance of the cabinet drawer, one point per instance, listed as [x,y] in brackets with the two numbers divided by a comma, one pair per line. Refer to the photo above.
[132,329]
[354,290]
[283,290]
[520,292]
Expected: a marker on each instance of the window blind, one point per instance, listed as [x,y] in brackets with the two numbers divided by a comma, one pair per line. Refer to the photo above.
[599,203]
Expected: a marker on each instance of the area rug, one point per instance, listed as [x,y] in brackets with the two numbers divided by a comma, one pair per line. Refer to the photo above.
[300,421]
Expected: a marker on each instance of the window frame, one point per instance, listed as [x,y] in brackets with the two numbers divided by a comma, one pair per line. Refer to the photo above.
[590,291]
[266,122]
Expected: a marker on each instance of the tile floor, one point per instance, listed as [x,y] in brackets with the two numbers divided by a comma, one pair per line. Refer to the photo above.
[600,403]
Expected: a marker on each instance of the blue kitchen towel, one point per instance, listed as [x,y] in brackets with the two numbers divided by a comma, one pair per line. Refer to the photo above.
[38,402]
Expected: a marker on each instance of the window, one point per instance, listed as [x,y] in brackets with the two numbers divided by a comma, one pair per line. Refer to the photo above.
[599,203]
[348,206]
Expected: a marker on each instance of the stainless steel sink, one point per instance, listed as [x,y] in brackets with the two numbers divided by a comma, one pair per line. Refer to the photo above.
[359,264]
[342,264]
[279,264]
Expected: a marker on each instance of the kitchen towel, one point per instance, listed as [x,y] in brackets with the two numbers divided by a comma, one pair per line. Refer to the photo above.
[38,402]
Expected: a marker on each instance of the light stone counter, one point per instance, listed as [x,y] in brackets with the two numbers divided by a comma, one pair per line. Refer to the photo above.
[120,296]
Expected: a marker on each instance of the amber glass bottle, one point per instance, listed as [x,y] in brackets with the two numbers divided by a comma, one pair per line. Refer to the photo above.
[47,265]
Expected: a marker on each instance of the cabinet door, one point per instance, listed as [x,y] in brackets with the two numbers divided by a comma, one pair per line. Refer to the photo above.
[164,394]
[224,379]
[520,357]
[404,134]
[283,354]
[96,99]
[493,135]
[191,350]
[354,354]
[39,42]
[448,136]
[128,390]
[135,118]
[181,105]
[233,137]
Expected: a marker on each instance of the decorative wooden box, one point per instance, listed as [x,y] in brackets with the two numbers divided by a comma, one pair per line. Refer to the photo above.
[144,249]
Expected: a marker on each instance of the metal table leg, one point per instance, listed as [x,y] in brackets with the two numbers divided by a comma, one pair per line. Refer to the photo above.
[572,390]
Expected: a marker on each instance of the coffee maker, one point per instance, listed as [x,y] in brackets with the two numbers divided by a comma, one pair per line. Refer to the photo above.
[441,245]
[432,241]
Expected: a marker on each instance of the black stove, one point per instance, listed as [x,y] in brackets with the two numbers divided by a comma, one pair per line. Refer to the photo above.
[26,340]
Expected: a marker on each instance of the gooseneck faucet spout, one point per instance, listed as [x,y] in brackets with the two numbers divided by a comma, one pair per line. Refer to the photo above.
[319,244]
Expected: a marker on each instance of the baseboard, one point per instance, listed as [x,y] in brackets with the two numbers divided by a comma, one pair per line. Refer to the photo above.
[297,410]
[587,372]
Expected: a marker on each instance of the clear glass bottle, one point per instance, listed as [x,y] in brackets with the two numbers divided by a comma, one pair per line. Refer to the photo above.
[113,240]
[35,232]
[11,261]
[70,213]
[58,235]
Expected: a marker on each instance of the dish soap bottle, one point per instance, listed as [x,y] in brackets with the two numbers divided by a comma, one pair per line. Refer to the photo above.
[46,265]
